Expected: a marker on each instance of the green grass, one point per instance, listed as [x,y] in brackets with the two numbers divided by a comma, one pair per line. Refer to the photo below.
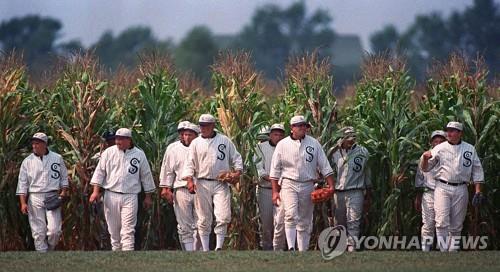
[71,261]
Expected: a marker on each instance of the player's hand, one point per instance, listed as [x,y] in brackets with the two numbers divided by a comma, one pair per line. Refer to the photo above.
[24,208]
[94,197]
[148,202]
[427,155]
[417,203]
[64,194]
[166,193]
[478,199]
[276,198]
[191,186]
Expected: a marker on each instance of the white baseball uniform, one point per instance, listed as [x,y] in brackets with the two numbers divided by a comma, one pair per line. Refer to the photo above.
[455,166]
[297,163]
[39,178]
[426,181]
[121,173]
[207,158]
[267,211]
[353,177]
[185,214]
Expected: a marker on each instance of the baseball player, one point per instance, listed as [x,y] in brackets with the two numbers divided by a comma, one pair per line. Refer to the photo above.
[263,135]
[174,190]
[266,209]
[353,180]
[121,171]
[43,174]
[424,202]
[209,155]
[297,160]
[457,164]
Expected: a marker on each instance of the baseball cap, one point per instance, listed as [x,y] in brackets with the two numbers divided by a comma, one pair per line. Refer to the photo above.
[455,125]
[40,136]
[124,132]
[438,133]
[298,119]
[277,126]
[193,127]
[264,130]
[206,118]
[182,125]
[348,132]
[108,135]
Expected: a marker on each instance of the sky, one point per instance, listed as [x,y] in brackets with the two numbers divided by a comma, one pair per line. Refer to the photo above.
[87,20]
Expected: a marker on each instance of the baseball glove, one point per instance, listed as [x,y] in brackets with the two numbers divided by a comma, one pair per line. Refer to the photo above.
[53,202]
[229,177]
[321,195]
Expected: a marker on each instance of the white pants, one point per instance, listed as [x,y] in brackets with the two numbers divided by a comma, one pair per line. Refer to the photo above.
[120,211]
[45,225]
[450,205]
[428,218]
[212,197]
[279,238]
[296,200]
[185,215]
[348,212]
[265,211]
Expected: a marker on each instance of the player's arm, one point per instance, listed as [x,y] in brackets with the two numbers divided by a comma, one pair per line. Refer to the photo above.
[98,178]
[22,188]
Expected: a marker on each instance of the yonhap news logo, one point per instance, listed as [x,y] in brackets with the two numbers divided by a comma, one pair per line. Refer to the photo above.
[332,242]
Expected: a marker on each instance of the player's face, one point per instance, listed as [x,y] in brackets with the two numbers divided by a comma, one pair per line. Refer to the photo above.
[39,147]
[276,135]
[110,142]
[123,143]
[437,140]
[299,130]
[348,143]
[188,136]
[207,129]
[454,135]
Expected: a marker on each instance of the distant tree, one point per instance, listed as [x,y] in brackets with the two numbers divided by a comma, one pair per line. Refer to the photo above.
[124,49]
[35,36]
[432,37]
[385,39]
[275,33]
[196,52]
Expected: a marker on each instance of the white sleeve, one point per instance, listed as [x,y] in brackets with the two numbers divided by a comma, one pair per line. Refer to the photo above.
[258,159]
[189,166]
[167,174]
[419,178]
[276,166]
[100,171]
[22,183]
[432,161]
[323,164]
[148,184]
[64,174]
[477,169]
[236,159]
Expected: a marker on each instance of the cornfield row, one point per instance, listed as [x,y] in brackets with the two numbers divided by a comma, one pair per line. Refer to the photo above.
[80,102]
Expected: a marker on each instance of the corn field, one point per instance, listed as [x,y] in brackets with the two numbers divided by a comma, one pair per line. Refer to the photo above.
[80,101]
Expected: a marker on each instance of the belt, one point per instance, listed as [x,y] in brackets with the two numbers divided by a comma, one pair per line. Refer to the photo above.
[268,188]
[54,191]
[451,183]
[346,190]
[310,180]
[121,193]
[210,179]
